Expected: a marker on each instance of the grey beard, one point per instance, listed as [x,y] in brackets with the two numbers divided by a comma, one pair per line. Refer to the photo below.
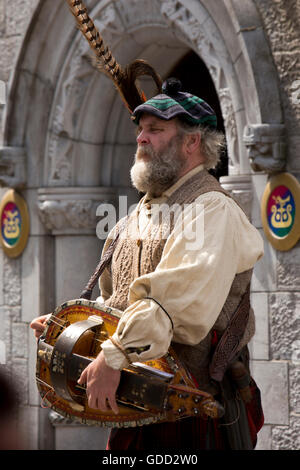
[159,173]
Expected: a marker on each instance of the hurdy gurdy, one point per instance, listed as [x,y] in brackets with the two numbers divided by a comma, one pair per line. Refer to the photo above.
[154,391]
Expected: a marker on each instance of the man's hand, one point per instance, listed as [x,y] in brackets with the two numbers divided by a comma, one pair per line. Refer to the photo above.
[102,382]
[39,324]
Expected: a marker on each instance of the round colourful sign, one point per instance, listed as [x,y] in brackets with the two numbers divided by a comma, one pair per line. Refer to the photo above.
[280,211]
[14,220]
[11,222]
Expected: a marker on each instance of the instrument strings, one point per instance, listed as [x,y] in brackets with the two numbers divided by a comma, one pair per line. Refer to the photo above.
[51,319]
[62,325]
[44,383]
[51,389]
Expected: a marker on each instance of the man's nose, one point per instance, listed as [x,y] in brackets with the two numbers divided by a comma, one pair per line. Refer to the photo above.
[142,138]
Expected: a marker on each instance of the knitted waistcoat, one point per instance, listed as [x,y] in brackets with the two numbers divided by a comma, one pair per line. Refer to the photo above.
[135,256]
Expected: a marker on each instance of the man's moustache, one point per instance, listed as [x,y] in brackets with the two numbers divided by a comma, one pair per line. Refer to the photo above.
[148,151]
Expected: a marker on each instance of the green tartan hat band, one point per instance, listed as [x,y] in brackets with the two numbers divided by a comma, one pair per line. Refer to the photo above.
[175,103]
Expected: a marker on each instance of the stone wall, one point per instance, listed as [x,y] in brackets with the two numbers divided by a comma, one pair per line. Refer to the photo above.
[281,19]
[52,269]
[275,290]
[15,17]
[280,299]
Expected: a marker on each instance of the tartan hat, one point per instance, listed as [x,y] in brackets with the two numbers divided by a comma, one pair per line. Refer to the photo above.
[175,103]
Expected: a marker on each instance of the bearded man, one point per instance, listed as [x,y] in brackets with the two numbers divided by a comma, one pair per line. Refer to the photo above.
[172,291]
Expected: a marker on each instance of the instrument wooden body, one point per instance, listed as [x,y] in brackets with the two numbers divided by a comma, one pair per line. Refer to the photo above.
[154,391]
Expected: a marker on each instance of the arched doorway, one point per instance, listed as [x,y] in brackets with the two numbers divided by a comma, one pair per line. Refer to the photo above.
[196,79]
[74,150]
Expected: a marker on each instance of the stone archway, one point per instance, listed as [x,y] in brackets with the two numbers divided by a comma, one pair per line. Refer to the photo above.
[70,146]
[134,29]
[196,79]
[81,114]
[228,39]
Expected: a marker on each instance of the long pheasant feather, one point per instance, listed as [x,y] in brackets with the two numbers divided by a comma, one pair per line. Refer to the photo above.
[124,78]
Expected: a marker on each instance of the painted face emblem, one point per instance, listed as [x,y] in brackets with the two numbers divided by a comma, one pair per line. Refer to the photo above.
[14,221]
[281,211]
[11,224]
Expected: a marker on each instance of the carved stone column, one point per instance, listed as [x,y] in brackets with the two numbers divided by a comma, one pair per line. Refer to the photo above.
[70,214]
[240,187]
[71,211]
[13,167]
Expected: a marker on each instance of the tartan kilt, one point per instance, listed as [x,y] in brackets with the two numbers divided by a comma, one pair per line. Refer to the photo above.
[188,433]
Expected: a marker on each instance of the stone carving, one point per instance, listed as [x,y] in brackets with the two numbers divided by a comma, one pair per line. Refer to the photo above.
[295,89]
[69,210]
[61,215]
[109,23]
[240,187]
[74,82]
[12,167]
[230,127]
[138,12]
[12,289]
[176,13]
[61,138]
[296,352]
[266,146]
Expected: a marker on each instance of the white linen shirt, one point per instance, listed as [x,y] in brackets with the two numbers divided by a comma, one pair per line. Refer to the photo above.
[190,282]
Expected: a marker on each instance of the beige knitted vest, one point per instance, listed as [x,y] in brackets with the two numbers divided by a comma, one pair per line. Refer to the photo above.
[134,257]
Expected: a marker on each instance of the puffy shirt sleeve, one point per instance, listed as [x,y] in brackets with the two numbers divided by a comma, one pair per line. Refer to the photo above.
[200,259]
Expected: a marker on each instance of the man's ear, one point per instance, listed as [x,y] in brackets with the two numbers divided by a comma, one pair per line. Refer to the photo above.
[192,142]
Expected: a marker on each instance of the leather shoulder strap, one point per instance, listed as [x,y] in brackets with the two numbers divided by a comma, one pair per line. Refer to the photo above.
[103,263]
[227,346]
